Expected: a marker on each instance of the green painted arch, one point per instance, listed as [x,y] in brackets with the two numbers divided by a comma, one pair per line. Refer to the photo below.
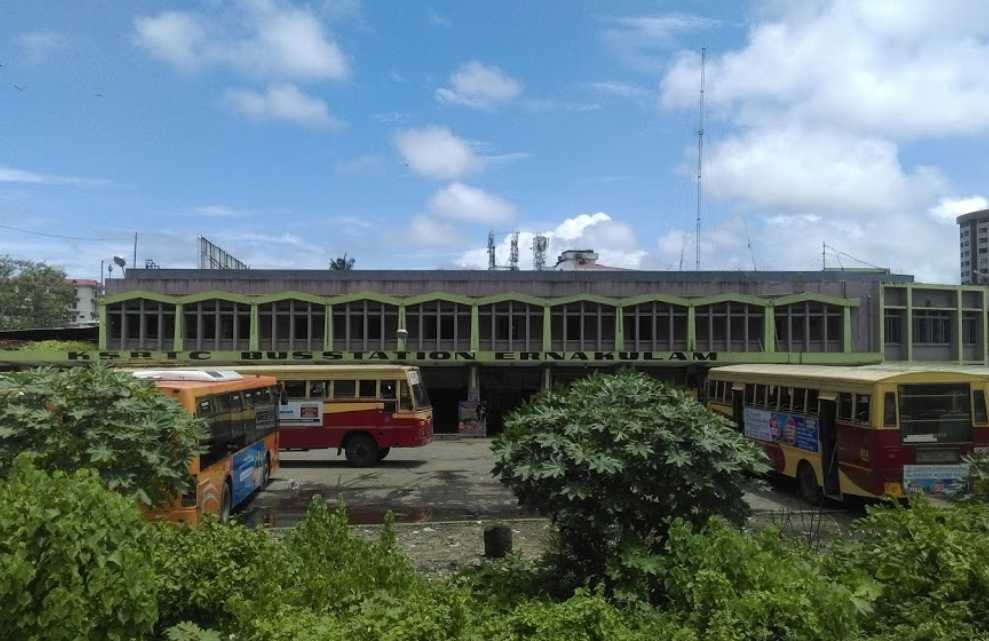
[586,298]
[745,299]
[513,297]
[655,298]
[214,294]
[790,299]
[290,295]
[137,295]
[441,296]
[384,299]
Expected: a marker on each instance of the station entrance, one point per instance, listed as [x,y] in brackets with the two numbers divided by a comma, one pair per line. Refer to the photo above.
[447,386]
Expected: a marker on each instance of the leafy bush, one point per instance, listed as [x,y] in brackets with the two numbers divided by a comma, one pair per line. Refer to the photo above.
[932,567]
[978,476]
[727,584]
[615,459]
[201,573]
[139,441]
[57,346]
[71,559]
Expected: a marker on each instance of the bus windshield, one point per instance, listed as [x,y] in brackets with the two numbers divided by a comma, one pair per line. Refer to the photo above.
[420,395]
[935,413]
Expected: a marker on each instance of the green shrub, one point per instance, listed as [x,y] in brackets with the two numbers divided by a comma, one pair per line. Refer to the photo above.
[203,574]
[139,441]
[728,584]
[978,476]
[615,459]
[71,559]
[932,567]
[58,346]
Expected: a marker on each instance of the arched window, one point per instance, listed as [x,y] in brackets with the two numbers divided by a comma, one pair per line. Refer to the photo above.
[655,327]
[365,325]
[583,326]
[511,326]
[729,327]
[292,325]
[140,324]
[809,327]
[438,325]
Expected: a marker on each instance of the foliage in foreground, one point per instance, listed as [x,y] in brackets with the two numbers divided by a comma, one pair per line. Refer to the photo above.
[71,559]
[615,459]
[139,441]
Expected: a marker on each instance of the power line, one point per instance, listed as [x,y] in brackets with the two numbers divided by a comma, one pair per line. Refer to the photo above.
[64,237]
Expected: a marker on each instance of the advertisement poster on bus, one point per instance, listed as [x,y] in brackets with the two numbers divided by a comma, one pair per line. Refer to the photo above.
[248,465]
[935,480]
[780,427]
[300,413]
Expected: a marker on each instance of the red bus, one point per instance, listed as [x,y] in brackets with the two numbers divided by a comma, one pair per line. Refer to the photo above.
[361,410]
[868,431]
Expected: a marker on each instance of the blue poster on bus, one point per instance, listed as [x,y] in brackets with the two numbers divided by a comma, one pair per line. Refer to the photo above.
[248,466]
[780,427]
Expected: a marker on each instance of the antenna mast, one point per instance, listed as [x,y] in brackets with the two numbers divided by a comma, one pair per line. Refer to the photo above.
[513,253]
[492,264]
[700,160]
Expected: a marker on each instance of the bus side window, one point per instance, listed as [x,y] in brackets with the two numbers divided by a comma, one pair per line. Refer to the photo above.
[726,397]
[345,389]
[295,390]
[799,400]
[749,394]
[760,396]
[388,390]
[889,409]
[785,398]
[845,406]
[248,396]
[712,388]
[205,408]
[772,396]
[862,403]
[979,405]
[812,401]
[234,402]
[315,389]
[368,389]
[404,397]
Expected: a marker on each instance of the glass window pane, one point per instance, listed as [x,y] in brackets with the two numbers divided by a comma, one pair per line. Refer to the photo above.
[369,389]
[344,389]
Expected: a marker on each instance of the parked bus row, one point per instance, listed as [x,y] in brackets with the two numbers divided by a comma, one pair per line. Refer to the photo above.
[859,431]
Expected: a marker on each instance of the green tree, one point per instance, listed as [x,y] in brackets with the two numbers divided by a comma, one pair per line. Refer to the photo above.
[615,459]
[72,561]
[138,440]
[33,295]
[342,264]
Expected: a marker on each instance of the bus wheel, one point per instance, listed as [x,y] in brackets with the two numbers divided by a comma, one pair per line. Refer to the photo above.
[383,452]
[810,491]
[226,503]
[361,450]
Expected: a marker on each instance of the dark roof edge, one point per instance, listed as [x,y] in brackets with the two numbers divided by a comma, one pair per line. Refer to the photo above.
[982,214]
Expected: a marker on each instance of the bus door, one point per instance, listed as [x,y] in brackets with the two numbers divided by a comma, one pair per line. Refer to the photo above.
[827,431]
[738,405]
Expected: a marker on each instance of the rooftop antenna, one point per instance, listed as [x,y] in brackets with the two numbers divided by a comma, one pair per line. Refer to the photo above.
[513,256]
[700,159]
[683,249]
[539,246]
[491,251]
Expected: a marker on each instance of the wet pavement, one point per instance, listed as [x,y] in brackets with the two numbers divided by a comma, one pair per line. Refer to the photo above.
[451,481]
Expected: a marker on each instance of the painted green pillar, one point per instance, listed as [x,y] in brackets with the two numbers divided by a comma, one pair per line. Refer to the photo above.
[909,323]
[547,328]
[104,328]
[177,341]
[254,341]
[403,340]
[691,328]
[328,329]
[475,328]
[769,329]
[984,326]
[959,340]
[846,329]
[619,329]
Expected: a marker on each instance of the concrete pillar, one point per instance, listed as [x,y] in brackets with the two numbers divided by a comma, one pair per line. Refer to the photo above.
[769,329]
[619,329]
[254,340]
[846,328]
[328,328]
[475,329]
[959,339]
[547,328]
[547,378]
[179,338]
[908,321]
[104,327]
[473,383]
[691,328]
[403,342]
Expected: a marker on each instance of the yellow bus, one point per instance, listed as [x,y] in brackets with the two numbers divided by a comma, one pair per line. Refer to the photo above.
[361,410]
[242,448]
[859,431]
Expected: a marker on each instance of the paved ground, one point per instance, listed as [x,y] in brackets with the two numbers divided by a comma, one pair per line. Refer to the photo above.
[446,481]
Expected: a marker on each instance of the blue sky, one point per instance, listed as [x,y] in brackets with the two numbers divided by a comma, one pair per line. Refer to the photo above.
[290,132]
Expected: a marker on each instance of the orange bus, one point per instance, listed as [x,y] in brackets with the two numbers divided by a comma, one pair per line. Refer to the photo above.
[871,431]
[242,448]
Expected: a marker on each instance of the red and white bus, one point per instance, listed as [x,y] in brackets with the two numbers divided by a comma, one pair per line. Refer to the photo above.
[868,431]
[361,410]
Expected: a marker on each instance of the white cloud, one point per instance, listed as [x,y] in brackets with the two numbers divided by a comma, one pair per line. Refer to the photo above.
[435,152]
[614,241]
[426,231]
[643,42]
[282,102]
[14,175]
[437,19]
[618,89]
[220,211]
[458,201]
[555,104]
[948,209]
[265,38]
[363,165]
[479,86]
[38,46]
[905,69]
